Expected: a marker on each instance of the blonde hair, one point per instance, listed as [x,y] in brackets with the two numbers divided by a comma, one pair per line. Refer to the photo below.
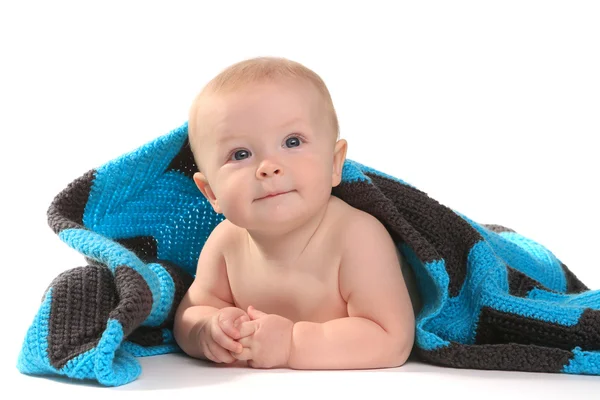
[263,69]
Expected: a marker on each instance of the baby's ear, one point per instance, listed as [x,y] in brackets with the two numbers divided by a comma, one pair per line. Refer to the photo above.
[206,190]
[339,156]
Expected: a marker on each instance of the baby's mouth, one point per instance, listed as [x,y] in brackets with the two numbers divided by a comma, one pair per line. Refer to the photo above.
[274,195]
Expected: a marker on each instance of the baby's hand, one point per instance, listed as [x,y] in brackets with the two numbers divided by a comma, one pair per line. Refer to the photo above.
[217,336]
[267,340]
[230,319]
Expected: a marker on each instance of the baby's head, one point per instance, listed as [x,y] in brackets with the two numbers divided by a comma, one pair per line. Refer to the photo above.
[264,126]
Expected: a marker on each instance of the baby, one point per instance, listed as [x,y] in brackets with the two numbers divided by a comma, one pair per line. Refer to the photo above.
[294,277]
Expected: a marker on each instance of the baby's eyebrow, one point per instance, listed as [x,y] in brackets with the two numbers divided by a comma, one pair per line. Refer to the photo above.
[226,137]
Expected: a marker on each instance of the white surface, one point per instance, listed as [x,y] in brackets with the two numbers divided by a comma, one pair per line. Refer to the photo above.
[176,375]
[491,108]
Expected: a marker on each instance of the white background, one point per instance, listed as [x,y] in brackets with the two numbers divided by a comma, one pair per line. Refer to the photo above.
[492,108]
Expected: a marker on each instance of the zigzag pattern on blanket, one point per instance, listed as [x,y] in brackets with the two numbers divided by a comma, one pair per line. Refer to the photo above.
[492,299]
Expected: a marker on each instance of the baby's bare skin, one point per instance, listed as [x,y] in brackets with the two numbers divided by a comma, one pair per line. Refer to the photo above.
[310,288]
[310,281]
[305,290]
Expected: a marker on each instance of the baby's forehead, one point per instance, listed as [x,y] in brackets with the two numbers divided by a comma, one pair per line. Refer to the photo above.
[218,111]
[224,113]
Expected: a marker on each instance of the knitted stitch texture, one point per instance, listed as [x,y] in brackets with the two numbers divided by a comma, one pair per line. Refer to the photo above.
[492,298]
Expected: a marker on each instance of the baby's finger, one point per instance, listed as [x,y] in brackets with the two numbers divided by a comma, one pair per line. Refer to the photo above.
[247,328]
[246,354]
[208,354]
[221,354]
[229,329]
[246,342]
[238,322]
[225,341]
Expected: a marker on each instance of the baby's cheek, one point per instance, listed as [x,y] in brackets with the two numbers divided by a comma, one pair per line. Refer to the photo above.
[233,207]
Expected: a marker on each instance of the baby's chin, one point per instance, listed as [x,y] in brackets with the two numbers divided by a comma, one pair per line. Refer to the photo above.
[279,219]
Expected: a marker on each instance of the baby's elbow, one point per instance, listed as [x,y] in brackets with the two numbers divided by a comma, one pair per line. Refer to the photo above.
[399,358]
[402,349]
[177,329]
[182,324]
[403,357]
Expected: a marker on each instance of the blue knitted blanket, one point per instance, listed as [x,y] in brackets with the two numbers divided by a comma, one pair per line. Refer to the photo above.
[492,299]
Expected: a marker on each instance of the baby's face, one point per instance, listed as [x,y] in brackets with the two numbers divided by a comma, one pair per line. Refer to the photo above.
[269,138]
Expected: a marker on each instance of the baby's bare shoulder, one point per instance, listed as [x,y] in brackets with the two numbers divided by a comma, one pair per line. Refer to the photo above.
[229,234]
[349,219]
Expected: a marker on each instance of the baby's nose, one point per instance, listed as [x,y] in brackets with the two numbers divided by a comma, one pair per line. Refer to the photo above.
[269,169]
[272,171]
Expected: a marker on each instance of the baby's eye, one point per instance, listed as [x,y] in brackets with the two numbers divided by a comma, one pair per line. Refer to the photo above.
[291,141]
[241,154]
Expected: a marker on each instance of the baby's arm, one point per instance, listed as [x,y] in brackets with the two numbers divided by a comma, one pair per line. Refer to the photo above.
[209,293]
[379,329]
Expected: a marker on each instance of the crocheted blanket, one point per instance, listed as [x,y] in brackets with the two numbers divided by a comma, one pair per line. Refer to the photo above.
[492,298]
